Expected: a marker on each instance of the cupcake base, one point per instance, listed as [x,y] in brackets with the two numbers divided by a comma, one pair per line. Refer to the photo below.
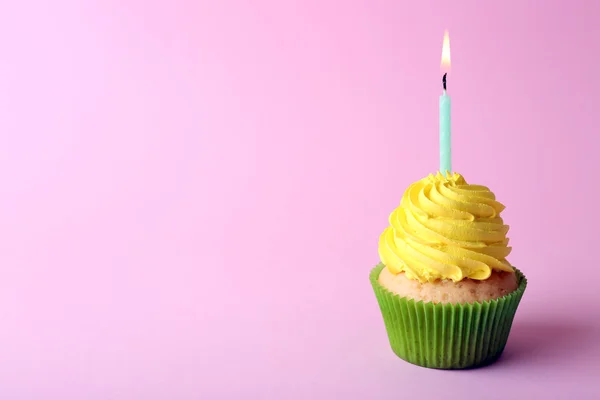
[447,336]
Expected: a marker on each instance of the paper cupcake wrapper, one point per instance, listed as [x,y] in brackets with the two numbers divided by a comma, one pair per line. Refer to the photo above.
[447,336]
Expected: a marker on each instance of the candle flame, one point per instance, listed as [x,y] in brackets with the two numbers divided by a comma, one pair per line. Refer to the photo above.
[445,65]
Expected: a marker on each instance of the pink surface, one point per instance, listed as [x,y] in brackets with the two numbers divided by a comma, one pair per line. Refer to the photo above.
[193,192]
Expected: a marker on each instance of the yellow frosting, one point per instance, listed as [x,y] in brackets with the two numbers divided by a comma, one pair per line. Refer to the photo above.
[446,228]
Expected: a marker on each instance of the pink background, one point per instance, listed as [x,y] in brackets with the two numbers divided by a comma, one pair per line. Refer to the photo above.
[192,192]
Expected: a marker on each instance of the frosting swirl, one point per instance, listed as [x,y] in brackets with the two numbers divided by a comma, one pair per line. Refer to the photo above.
[446,228]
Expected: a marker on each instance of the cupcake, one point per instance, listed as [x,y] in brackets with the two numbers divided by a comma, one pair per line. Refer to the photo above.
[447,293]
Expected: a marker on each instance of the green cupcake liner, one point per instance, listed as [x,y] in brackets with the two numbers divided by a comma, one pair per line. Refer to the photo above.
[447,336]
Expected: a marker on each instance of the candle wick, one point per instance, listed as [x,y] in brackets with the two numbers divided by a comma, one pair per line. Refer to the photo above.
[444,81]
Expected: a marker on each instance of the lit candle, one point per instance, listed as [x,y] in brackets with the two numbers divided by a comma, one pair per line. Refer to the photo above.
[445,105]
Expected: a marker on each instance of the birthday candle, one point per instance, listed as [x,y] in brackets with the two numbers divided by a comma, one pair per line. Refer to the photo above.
[445,112]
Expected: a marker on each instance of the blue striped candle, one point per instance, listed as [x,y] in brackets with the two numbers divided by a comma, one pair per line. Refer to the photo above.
[445,106]
[445,132]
